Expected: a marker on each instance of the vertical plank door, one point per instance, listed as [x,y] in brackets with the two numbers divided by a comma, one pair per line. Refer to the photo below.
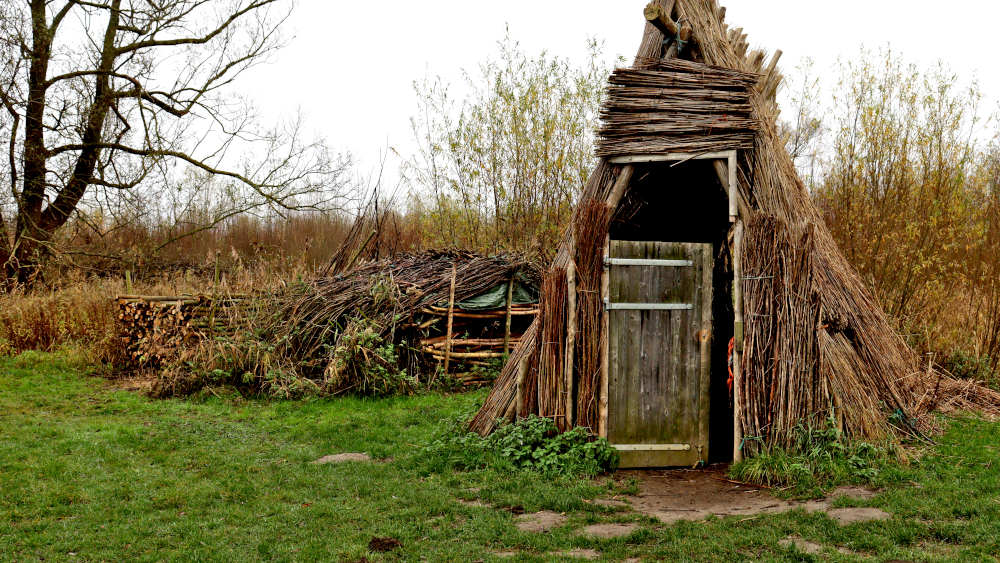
[660,320]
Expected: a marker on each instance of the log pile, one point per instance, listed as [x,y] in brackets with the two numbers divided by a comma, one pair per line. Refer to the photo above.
[153,328]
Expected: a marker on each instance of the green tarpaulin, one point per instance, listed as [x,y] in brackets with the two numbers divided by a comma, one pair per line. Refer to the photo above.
[496,297]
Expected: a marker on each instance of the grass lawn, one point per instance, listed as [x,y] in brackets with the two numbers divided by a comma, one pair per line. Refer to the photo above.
[88,472]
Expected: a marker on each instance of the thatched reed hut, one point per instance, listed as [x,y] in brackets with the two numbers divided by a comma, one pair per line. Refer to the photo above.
[698,308]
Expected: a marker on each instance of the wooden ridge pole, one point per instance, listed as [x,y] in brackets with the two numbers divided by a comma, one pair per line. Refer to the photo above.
[571,322]
[656,15]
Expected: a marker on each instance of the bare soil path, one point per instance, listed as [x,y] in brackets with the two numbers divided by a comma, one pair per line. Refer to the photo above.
[679,494]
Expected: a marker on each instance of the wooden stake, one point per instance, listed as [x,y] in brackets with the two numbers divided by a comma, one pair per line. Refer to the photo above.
[506,330]
[451,319]
[738,342]
[570,337]
[602,416]
[522,372]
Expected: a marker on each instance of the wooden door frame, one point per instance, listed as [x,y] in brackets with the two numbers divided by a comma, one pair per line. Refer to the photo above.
[725,163]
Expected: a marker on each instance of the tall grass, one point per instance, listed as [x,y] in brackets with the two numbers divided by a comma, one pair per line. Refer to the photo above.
[81,314]
[819,459]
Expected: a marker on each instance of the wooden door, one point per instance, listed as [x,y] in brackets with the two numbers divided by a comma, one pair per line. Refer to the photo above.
[659,342]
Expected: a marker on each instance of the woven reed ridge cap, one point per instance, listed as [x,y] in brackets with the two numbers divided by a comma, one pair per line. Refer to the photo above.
[692,67]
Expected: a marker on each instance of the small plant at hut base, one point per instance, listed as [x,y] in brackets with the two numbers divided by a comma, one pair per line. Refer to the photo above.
[530,444]
[364,363]
[818,459]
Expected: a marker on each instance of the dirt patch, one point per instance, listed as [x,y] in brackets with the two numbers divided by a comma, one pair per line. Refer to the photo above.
[384,545]
[860,493]
[472,503]
[582,554]
[676,495]
[342,458]
[847,516]
[611,503]
[540,521]
[802,545]
[609,530]
[808,547]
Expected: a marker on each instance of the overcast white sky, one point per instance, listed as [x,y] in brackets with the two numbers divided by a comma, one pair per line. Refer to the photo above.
[350,65]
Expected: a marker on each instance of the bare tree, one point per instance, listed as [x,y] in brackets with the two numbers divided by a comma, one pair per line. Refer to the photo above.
[110,95]
[804,132]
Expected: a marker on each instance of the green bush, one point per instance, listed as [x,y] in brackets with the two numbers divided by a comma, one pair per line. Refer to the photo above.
[966,365]
[531,444]
[819,459]
[364,363]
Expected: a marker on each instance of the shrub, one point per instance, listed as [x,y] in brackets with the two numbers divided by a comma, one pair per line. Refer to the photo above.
[966,365]
[530,444]
[365,363]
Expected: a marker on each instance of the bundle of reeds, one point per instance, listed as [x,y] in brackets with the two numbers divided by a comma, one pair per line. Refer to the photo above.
[551,345]
[662,106]
[782,383]
[590,234]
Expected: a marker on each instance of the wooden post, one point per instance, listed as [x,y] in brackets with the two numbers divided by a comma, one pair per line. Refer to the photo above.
[734,193]
[726,171]
[522,373]
[602,404]
[738,342]
[451,319]
[506,330]
[570,336]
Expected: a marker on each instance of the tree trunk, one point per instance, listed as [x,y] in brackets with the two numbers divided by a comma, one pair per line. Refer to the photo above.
[35,226]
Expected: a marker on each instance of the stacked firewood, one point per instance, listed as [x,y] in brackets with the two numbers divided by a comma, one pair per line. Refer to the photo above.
[154,327]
